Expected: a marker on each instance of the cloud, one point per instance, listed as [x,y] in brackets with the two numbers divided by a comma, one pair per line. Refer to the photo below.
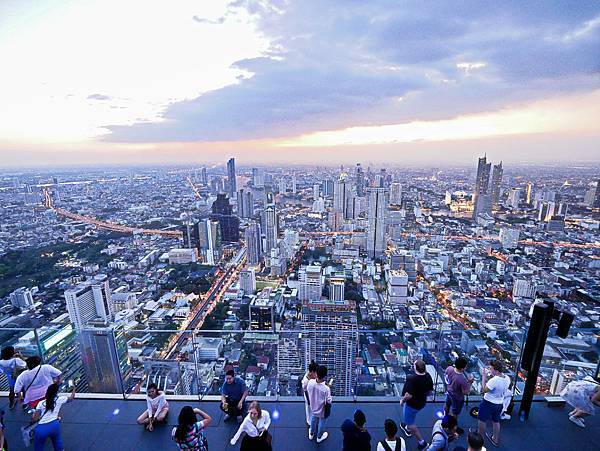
[99,97]
[342,64]
[218,21]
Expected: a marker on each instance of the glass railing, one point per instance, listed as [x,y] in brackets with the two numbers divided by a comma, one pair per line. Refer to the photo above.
[363,364]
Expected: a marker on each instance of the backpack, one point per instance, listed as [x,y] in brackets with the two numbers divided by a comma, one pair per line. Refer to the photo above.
[443,435]
[398,446]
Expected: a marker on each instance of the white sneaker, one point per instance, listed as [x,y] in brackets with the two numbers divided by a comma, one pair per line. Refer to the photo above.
[505,416]
[310,436]
[323,437]
[578,421]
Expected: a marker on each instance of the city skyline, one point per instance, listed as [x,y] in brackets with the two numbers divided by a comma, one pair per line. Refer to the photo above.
[285,83]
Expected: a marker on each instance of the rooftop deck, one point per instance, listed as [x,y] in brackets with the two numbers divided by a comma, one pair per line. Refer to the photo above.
[94,425]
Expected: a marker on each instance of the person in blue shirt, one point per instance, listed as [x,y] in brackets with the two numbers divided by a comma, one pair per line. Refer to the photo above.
[233,396]
[356,436]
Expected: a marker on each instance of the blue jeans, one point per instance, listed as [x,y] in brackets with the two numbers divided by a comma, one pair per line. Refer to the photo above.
[317,425]
[43,431]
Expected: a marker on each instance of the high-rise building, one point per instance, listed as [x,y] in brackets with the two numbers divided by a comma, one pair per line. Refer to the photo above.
[203,177]
[396,193]
[529,193]
[336,288]
[406,261]
[222,211]
[360,181]
[289,360]
[191,239]
[340,195]
[294,184]
[231,182]
[21,298]
[270,227]
[282,185]
[258,178]
[514,197]
[253,239]
[248,281]
[328,188]
[496,183]
[210,241]
[89,301]
[376,243]
[245,203]
[524,288]
[397,287]
[330,337]
[310,283]
[316,191]
[509,237]
[262,313]
[597,196]
[482,202]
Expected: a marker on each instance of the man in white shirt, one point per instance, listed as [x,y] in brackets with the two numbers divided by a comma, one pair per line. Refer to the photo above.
[490,408]
[319,395]
[35,381]
[391,442]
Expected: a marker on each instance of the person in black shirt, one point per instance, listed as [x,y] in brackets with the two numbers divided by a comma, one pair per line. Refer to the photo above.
[356,436]
[414,397]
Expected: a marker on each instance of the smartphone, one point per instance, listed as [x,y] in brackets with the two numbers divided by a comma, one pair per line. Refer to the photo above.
[331,381]
[71,383]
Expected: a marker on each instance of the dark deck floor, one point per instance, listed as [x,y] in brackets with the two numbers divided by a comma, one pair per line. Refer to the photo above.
[93,425]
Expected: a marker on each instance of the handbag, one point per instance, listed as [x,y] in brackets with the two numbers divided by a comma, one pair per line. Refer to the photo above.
[327,410]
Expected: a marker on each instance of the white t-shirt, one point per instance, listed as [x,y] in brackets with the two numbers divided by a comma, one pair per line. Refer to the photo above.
[41,382]
[253,430]
[498,386]
[8,366]
[47,417]
[392,445]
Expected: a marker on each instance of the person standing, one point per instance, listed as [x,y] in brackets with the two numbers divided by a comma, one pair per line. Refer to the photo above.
[255,425]
[494,390]
[319,395]
[582,395]
[33,382]
[157,408]
[310,374]
[11,365]
[457,386]
[444,431]
[189,432]
[233,395]
[391,442]
[46,414]
[356,436]
[414,397]
[3,441]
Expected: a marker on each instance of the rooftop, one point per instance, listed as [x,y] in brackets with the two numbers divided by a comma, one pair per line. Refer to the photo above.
[101,424]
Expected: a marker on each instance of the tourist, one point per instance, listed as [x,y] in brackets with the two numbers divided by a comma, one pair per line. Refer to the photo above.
[11,365]
[46,415]
[233,395]
[189,432]
[356,436]
[475,442]
[391,442]
[582,395]
[457,386]
[3,441]
[32,383]
[319,395]
[310,374]
[491,406]
[414,397]
[255,425]
[157,408]
[444,431]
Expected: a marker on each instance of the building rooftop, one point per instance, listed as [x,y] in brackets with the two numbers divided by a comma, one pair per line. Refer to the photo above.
[101,424]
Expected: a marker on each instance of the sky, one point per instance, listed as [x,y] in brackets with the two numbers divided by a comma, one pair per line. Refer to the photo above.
[326,82]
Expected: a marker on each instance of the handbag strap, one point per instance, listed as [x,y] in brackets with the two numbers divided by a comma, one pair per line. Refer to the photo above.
[34,378]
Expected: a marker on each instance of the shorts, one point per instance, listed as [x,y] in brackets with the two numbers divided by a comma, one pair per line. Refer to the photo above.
[488,411]
[410,415]
[454,405]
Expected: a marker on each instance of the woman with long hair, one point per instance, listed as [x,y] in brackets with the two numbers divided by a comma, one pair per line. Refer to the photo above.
[255,425]
[157,408]
[46,414]
[188,434]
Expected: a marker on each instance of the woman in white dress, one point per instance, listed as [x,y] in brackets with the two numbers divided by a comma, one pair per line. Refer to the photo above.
[583,395]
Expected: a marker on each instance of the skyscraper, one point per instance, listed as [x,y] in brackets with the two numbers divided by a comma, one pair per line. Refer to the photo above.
[396,193]
[340,195]
[496,182]
[360,180]
[529,193]
[222,211]
[252,235]
[482,201]
[191,238]
[231,183]
[597,196]
[376,243]
[269,227]
[310,283]
[210,241]
[330,337]
[90,300]
[248,281]
[258,178]
[245,203]
[336,288]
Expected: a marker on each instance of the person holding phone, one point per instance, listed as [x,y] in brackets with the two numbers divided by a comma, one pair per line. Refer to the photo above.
[46,414]
[457,386]
[310,374]
[319,395]
[255,426]
[494,390]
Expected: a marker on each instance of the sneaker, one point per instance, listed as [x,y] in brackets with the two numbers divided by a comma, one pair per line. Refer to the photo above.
[422,446]
[226,417]
[310,436]
[405,430]
[323,437]
[492,439]
[505,416]
[578,421]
